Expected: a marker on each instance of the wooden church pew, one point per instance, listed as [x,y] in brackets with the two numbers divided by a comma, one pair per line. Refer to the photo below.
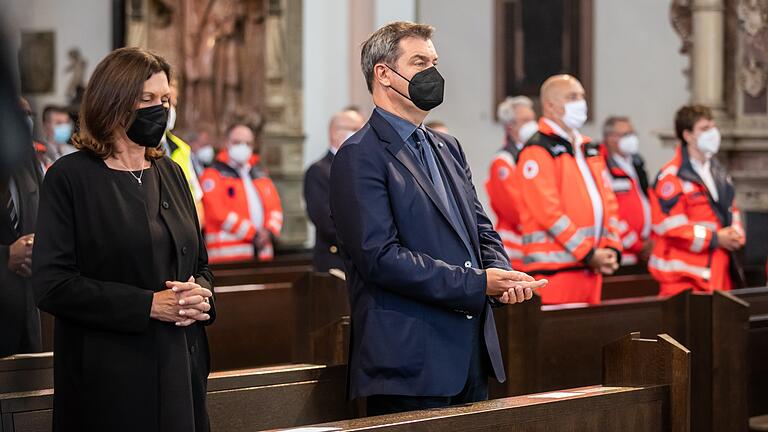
[263,398]
[646,387]
[262,324]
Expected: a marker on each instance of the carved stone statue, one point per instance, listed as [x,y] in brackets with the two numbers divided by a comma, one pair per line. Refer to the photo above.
[212,36]
[76,69]
[681,19]
[754,64]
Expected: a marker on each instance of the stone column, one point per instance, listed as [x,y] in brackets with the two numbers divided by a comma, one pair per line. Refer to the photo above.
[361,14]
[707,55]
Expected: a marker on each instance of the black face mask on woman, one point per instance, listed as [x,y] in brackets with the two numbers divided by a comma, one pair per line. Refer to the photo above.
[426,88]
[149,126]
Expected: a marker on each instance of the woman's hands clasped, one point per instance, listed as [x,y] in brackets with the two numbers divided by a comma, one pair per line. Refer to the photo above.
[183,303]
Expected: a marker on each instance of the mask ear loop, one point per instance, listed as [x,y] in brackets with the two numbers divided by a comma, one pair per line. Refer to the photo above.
[398,74]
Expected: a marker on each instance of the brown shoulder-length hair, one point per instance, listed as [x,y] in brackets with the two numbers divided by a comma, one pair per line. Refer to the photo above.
[111,97]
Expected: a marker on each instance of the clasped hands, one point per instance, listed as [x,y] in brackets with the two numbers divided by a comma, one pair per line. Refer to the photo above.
[605,261]
[183,303]
[20,255]
[509,286]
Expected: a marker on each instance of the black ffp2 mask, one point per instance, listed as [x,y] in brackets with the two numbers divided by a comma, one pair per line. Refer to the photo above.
[149,126]
[425,89]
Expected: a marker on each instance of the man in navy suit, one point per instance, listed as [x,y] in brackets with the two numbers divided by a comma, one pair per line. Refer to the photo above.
[424,265]
[326,253]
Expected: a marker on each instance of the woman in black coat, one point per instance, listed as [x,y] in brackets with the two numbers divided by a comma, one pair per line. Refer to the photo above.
[120,262]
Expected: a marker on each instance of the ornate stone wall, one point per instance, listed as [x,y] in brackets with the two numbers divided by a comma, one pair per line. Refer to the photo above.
[237,59]
[727,41]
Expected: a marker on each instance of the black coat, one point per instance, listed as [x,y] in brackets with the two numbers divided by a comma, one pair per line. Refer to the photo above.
[326,253]
[93,271]
[19,318]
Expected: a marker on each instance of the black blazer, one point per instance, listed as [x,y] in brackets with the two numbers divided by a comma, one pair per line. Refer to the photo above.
[326,253]
[19,318]
[93,271]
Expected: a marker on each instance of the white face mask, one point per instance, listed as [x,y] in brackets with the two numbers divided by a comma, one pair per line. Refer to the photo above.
[205,155]
[575,114]
[527,130]
[240,153]
[709,141]
[629,145]
[171,119]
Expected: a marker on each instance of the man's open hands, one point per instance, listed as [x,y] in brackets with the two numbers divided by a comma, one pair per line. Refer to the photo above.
[509,286]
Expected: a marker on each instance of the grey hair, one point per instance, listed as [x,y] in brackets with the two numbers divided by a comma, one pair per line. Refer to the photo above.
[383,46]
[609,126]
[506,110]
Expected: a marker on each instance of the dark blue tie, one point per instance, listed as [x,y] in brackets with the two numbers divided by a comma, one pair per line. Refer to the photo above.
[426,156]
[427,153]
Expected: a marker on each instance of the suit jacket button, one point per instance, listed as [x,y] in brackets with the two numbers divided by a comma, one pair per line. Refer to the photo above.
[469,317]
[184,250]
[166,205]
[333,249]
[468,264]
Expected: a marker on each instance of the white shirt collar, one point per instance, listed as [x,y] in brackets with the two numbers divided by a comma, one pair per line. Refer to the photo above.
[698,166]
[333,150]
[705,172]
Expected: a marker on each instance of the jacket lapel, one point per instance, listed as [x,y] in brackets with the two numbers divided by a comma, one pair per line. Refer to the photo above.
[396,147]
[27,187]
[169,207]
[457,187]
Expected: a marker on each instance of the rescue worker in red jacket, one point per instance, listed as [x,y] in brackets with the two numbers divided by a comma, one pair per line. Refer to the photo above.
[629,182]
[568,211]
[695,219]
[519,119]
[242,207]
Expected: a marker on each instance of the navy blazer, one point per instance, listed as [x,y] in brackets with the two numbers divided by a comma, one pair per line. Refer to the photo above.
[316,179]
[415,298]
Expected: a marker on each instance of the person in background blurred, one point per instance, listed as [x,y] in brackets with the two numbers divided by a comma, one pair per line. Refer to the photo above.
[40,148]
[630,185]
[568,212]
[316,193]
[19,317]
[57,130]
[180,152]
[438,126]
[203,152]
[519,120]
[697,225]
[243,212]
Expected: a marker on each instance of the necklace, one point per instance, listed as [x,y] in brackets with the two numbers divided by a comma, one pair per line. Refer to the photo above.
[137,177]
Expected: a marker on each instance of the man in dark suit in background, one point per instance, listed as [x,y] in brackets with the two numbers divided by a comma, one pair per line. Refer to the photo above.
[423,262]
[326,253]
[19,317]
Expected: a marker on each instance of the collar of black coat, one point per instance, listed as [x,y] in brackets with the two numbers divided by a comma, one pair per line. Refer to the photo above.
[614,168]
[511,148]
[557,145]
[686,171]
[227,170]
